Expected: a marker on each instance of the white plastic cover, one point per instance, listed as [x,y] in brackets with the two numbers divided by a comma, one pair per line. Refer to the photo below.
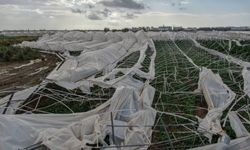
[237,144]
[246,77]
[218,97]
[130,105]
[237,125]
[74,131]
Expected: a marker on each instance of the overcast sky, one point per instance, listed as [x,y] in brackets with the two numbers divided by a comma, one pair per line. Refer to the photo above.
[97,14]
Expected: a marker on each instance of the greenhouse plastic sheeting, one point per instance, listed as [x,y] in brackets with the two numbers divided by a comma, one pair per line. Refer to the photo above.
[130,104]
[15,100]
[89,63]
[218,97]
[237,125]
[246,77]
[74,131]
[237,144]
[74,41]
[223,56]
[79,72]
[201,35]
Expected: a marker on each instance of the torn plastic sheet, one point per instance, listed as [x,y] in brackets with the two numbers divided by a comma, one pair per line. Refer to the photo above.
[74,41]
[84,85]
[130,104]
[218,97]
[246,77]
[198,35]
[216,93]
[237,144]
[62,41]
[127,79]
[212,117]
[13,101]
[90,63]
[237,125]
[61,132]
[76,69]
[69,131]
[78,72]
[223,56]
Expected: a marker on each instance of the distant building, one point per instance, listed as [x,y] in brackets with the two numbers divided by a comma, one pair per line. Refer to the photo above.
[240,28]
[27,32]
[165,28]
[178,28]
[205,29]
[155,29]
[190,29]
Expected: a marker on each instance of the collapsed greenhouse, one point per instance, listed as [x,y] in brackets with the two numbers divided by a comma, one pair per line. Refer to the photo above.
[144,90]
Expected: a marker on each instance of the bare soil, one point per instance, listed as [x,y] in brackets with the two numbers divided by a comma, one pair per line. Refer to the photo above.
[12,77]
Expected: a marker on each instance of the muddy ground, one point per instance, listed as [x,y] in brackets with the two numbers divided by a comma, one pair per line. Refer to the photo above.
[18,75]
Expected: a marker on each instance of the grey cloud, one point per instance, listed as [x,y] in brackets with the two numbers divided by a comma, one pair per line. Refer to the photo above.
[180,4]
[78,11]
[129,16]
[22,6]
[94,16]
[130,4]
[182,8]
[23,2]
[82,8]
[106,12]
[91,6]
[114,24]
[99,15]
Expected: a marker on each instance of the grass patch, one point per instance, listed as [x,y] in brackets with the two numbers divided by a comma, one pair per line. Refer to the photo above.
[11,40]
[9,53]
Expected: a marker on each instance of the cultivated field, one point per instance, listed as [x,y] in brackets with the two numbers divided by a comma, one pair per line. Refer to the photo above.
[21,68]
[131,90]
